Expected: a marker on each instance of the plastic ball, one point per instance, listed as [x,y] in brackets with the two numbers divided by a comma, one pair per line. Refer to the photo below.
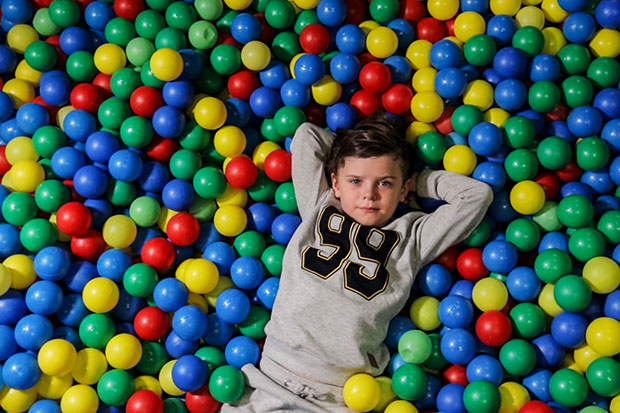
[603,274]
[100,295]
[361,393]
[600,335]
[226,384]
[568,387]
[481,396]
[57,357]
[493,328]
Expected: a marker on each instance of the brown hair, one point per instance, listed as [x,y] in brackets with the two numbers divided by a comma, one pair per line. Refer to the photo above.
[376,135]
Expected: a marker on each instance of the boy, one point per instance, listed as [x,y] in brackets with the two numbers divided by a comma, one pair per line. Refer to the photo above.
[349,267]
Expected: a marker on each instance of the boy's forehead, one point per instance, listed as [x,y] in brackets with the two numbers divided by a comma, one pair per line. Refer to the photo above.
[375,164]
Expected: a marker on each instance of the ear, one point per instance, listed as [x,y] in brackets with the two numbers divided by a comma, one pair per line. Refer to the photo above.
[335,186]
[404,191]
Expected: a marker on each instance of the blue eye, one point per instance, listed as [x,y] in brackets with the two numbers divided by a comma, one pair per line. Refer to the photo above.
[355,181]
[386,184]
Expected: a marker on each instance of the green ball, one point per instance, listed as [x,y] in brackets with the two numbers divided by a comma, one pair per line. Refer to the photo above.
[226,384]
[145,211]
[609,225]
[202,35]
[50,195]
[552,264]
[466,117]
[287,119]
[279,14]
[124,81]
[568,387]
[518,357]
[572,293]
[436,360]
[119,31]
[521,164]
[604,72]
[148,78]
[139,50]
[64,13]
[249,243]
[260,5]
[225,59]
[148,23]
[96,330]
[593,409]
[171,38]
[553,153]
[18,208]
[136,131]
[43,24]
[184,164]
[285,197]
[577,91]
[154,356]
[37,234]
[210,82]
[383,11]
[41,56]
[203,209]
[519,132]
[115,387]
[305,18]
[180,15]
[285,45]
[482,396]
[544,96]
[194,137]
[263,189]
[120,193]
[409,382]
[586,243]
[574,58]
[479,50]
[272,259]
[224,23]
[46,163]
[209,182]
[209,9]
[523,233]
[591,153]
[139,280]
[575,211]
[430,147]
[547,217]
[269,132]
[528,320]
[603,375]
[254,325]
[112,112]
[81,66]
[174,405]
[159,5]
[414,346]
[529,39]
[213,356]
[479,236]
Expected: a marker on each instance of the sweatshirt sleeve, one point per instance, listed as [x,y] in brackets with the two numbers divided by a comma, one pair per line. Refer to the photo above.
[467,202]
[309,148]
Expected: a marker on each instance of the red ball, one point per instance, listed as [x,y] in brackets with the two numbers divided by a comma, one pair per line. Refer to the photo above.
[412,10]
[88,246]
[161,149]
[559,113]
[183,229]
[73,219]
[397,99]
[52,110]
[315,113]
[570,172]
[4,163]
[267,33]
[201,401]
[144,401]
[444,123]
[375,77]
[493,328]
[242,84]
[241,172]
[456,374]
[535,406]
[469,264]
[128,9]
[151,323]
[278,165]
[366,58]
[159,253]
[549,184]
[356,12]
[450,26]
[103,81]
[145,100]
[314,38]
[86,96]
[448,258]
[431,29]
[365,103]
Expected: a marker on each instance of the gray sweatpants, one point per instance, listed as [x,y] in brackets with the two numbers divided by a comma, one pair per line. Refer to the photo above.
[273,388]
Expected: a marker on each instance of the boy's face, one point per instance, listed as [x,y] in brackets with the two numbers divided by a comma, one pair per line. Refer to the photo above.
[370,188]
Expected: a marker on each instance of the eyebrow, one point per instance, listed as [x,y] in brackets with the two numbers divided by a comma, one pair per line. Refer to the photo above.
[381,178]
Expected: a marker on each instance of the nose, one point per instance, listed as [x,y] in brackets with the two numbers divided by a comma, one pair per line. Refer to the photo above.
[371,192]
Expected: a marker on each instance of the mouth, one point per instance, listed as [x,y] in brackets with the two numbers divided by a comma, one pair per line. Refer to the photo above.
[369,209]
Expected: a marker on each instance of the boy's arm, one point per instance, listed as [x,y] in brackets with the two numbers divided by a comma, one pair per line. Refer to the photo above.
[309,148]
[467,202]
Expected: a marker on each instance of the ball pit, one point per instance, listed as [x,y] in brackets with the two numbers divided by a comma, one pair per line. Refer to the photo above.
[147,198]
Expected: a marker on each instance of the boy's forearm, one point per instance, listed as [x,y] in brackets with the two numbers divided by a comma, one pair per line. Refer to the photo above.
[451,187]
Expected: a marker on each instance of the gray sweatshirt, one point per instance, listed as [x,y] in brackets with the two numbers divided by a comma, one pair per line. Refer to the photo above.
[342,282]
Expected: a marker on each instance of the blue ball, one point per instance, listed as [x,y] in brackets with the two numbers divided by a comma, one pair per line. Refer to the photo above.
[17,11]
[72,310]
[260,217]
[450,398]
[599,181]
[177,347]
[395,363]
[98,13]
[510,94]
[427,401]
[189,373]
[208,235]
[456,311]
[611,134]
[189,322]
[344,67]
[463,288]
[73,39]
[100,146]
[500,208]
[485,138]
[434,280]
[8,345]
[284,226]
[221,254]
[608,14]
[239,112]
[80,274]
[240,351]
[9,240]
[21,371]
[192,64]
[340,115]
[66,161]
[170,294]
[265,102]
[45,406]
[44,297]
[178,94]
[295,93]
[538,384]
[100,209]
[501,28]
[544,67]
[485,367]
[79,125]
[492,174]
[552,240]
[510,63]
[125,165]
[218,331]
[6,106]
[266,292]
[274,75]
[450,82]
[90,181]
[478,6]
[10,130]
[127,308]
[445,53]
[52,263]
[32,116]
[154,176]
[232,306]
[576,188]
[579,27]
[458,346]
[614,172]
[405,32]
[572,6]
[178,195]
[549,353]
[32,331]
[398,326]
[331,13]
[523,284]
[612,305]
[490,75]
[607,101]
[309,68]
[245,28]
[569,329]
[400,68]
[350,38]
[585,121]
[113,263]
[8,59]
[69,334]
[168,122]
[247,272]
[499,256]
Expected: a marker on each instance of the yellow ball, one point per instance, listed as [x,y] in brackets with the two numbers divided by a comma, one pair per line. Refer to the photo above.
[424,313]
[197,300]
[603,274]
[165,216]
[401,406]
[614,405]
[530,16]
[109,58]
[79,399]
[57,357]
[255,55]
[513,395]
[361,393]
[419,54]
[417,128]
[166,64]
[230,220]
[442,9]
[306,4]
[262,151]
[554,40]
[369,25]
[606,43]
[100,295]
[6,279]
[387,393]
[229,141]
[123,351]
[165,379]
[20,149]
[62,114]
[201,276]
[238,4]
[20,90]
[382,42]
[90,366]
[603,335]
[20,36]
[326,91]
[460,159]
[179,273]
[224,283]
[53,387]
[531,2]
[468,25]
[546,301]
[496,116]
[119,231]
[426,107]
[25,72]
[22,272]
[27,175]
[147,383]
[478,93]
[13,400]
[232,196]
[553,12]
[584,356]
[210,113]
[527,197]
[490,294]
[423,79]
[291,66]
[509,7]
